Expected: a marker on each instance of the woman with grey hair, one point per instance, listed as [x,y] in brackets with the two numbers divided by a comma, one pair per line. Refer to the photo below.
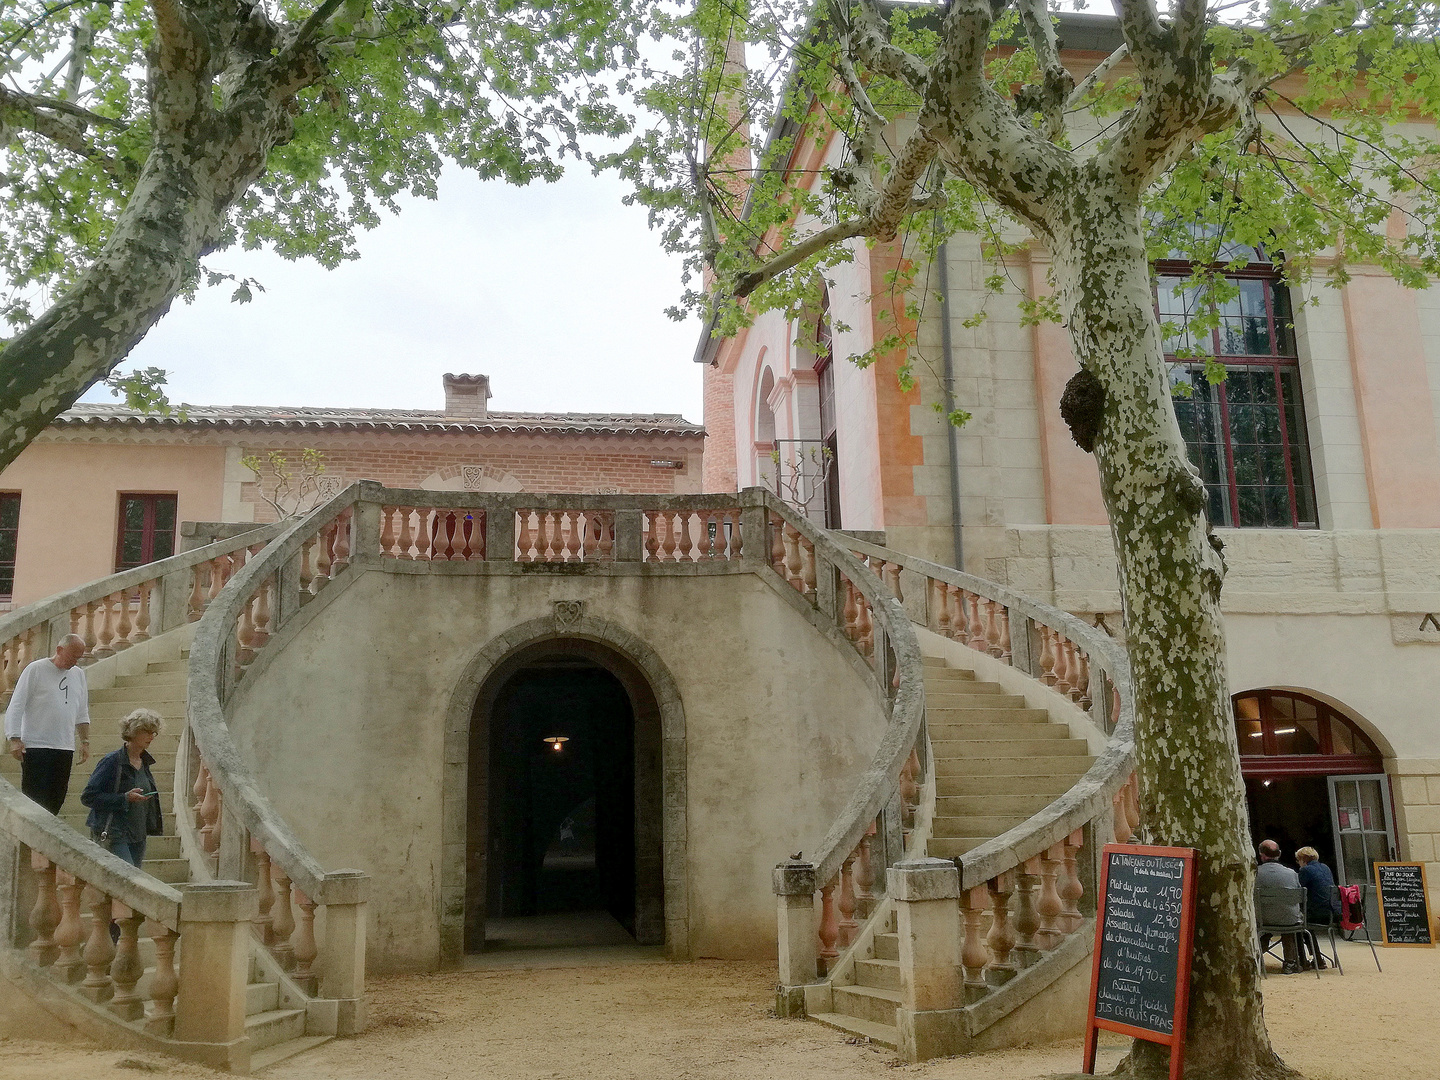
[122,795]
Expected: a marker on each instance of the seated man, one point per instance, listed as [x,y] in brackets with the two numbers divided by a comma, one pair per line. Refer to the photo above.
[1322,902]
[1270,911]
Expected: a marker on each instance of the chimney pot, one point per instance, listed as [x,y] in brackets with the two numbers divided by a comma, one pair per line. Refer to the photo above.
[467,397]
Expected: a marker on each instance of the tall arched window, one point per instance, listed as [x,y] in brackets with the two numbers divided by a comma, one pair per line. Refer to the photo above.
[1282,732]
[1247,434]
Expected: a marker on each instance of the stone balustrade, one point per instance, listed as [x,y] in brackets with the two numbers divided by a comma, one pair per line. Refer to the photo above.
[429,533]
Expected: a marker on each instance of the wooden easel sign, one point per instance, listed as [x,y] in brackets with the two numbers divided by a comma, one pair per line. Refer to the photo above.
[1144,939]
[1404,904]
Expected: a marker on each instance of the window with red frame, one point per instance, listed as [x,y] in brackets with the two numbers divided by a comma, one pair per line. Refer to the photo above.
[1247,434]
[147,530]
[9,530]
[1297,733]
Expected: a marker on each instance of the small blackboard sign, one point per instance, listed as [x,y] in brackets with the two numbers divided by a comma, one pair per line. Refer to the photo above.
[1404,904]
[1144,934]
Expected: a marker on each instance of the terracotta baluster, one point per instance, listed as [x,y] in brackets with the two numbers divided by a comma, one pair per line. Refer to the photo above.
[1004,616]
[89,632]
[992,629]
[265,891]
[307,575]
[69,933]
[124,627]
[909,788]
[545,540]
[218,576]
[807,565]
[850,611]
[737,536]
[589,537]
[960,614]
[142,612]
[683,549]
[1072,656]
[864,626]
[164,983]
[387,531]
[892,581]
[342,542]
[973,956]
[1082,679]
[7,667]
[126,969]
[829,931]
[194,607]
[1001,938]
[849,927]
[261,629]
[202,778]
[1062,664]
[464,535]
[570,532]
[651,525]
[1132,802]
[27,650]
[1048,905]
[305,949]
[45,914]
[1070,893]
[1047,655]
[105,632]
[245,634]
[1027,919]
[977,624]
[210,815]
[777,547]
[405,540]
[605,523]
[98,949]
[282,921]
[1123,831]
[940,605]
[476,524]
[865,874]
[322,556]
[792,558]
[523,536]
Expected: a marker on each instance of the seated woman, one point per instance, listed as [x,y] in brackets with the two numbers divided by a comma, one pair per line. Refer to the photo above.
[1322,903]
[122,795]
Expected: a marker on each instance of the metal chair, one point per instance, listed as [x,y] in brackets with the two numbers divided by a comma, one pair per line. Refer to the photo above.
[1284,898]
[1365,923]
[1328,924]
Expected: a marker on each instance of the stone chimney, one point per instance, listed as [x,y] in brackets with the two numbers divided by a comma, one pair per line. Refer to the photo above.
[467,397]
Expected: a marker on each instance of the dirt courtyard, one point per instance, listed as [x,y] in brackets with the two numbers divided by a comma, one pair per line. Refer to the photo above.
[710,1020]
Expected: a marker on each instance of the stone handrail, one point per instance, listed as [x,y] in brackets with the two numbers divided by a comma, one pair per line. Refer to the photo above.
[101,611]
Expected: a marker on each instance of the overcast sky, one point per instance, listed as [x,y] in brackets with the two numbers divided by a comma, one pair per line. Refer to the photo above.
[556,291]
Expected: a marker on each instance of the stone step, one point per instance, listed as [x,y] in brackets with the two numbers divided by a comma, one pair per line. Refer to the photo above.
[981,805]
[166,679]
[274,1026]
[171,711]
[1026,745]
[867,1003]
[162,847]
[1034,784]
[946,676]
[945,828]
[273,1055]
[887,946]
[997,732]
[164,667]
[952,847]
[1050,764]
[881,974]
[170,871]
[74,815]
[940,719]
[973,689]
[261,997]
[880,1034]
[959,702]
[932,662]
[140,695]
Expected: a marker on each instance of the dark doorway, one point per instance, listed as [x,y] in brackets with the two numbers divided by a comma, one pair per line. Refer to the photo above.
[562,793]
[564,826]
[1293,812]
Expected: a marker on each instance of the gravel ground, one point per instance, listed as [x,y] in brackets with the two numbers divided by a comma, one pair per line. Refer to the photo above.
[710,1020]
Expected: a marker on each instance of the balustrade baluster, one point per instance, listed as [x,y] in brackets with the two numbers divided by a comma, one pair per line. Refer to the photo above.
[684,546]
[105,632]
[142,612]
[864,626]
[7,667]
[1048,905]
[342,542]
[45,913]
[307,575]
[977,625]
[807,565]
[992,629]
[322,557]
[777,547]
[973,956]
[245,634]
[667,542]
[1004,617]
[1047,655]
[589,539]
[265,891]
[210,815]
[475,531]
[792,558]
[124,627]
[89,632]
[1072,666]
[548,529]
[849,927]
[1081,693]
[960,615]
[909,788]
[892,581]
[282,920]
[164,983]
[1070,893]
[1001,937]
[217,566]
[737,536]
[570,524]
[305,950]
[261,631]
[605,523]
[829,930]
[126,968]
[652,536]
[1062,664]
[940,605]
[523,537]
[405,540]
[865,874]
[850,611]
[99,950]
[69,933]
[387,531]
[1027,919]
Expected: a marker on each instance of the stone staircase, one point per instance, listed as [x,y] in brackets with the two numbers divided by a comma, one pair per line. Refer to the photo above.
[276,1031]
[996,762]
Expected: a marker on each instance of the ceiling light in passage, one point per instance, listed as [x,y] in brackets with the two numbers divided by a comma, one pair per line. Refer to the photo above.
[557,741]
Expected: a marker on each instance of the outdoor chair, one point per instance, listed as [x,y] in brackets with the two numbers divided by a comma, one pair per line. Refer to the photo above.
[1285,897]
[1364,923]
[1327,925]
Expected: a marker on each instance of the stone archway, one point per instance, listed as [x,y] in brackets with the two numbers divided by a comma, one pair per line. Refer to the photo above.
[662,911]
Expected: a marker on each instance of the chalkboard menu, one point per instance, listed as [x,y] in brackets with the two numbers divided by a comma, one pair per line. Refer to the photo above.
[1140,984]
[1404,903]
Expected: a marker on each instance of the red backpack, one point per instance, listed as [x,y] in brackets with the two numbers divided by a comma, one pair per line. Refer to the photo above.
[1352,916]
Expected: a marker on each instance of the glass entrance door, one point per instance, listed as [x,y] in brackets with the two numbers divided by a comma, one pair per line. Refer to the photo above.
[1364,833]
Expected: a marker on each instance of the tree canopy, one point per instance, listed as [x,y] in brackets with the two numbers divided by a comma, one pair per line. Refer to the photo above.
[140,136]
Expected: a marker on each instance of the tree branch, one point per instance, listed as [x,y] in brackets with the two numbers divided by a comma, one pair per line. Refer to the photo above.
[35,113]
[1057,81]
[873,47]
[316,19]
[897,196]
[1096,77]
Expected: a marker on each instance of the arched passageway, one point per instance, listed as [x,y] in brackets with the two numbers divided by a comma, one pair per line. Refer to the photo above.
[564,802]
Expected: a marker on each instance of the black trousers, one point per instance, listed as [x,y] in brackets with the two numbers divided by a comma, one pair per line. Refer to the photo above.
[45,776]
